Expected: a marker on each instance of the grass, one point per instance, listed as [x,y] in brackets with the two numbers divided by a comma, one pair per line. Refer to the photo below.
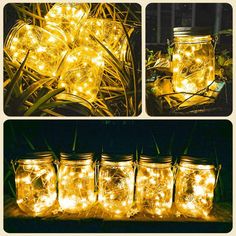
[27,93]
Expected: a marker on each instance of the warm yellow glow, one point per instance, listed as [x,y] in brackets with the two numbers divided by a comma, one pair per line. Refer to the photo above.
[116,187]
[64,19]
[195,189]
[81,73]
[110,33]
[154,188]
[193,66]
[35,187]
[45,48]
[75,185]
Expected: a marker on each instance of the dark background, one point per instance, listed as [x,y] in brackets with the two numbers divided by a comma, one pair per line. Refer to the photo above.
[211,139]
[162,18]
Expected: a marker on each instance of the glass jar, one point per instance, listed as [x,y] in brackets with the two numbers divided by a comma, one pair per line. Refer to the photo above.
[64,19]
[195,183]
[154,184]
[76,182]
[193,61]
[110,33]
[46,50]
[81,74]
[116,183]
[35,180]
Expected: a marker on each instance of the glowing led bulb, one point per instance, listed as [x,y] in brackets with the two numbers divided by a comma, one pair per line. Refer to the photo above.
[198,60]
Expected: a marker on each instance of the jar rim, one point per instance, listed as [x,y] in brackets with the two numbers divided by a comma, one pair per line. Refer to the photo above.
[116,157]
[192,31]
[76,156]
[46,156]
[160,159]
[196,160]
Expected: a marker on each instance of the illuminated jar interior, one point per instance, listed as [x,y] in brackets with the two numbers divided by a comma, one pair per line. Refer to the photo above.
[81,74]
[46,50]
[110,33]
[154,184]
[116,183]
[64,19]
[195,183]
[36,183]
[76,182]
[193,62]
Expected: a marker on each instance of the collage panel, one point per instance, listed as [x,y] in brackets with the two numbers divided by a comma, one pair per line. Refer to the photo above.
[72,59]
[189,59]
[113,176]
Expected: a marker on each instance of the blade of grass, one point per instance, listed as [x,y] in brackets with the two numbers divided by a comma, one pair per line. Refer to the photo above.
[28,13]
[42,100]
[12,189]
[134,69]
[30,144]
[75,138]
[31,89]
[50,148]
[8,174]
[156,145]
[15,78]
[190,139]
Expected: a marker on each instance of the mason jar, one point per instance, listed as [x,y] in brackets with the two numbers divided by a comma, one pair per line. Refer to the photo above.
[116,183]
[35,179]
[154,184]
[193,62]
[81,74]
[109,32]
[195,183]
[46,51]
[76,182]
[65,19]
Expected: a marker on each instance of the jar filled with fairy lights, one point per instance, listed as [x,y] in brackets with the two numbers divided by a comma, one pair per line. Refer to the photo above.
[196,180]
[76,182]
[65,19]
[154,184]
[110,34]
[35,179]
[193,63]
[81,74]
[46,51]
[116,183]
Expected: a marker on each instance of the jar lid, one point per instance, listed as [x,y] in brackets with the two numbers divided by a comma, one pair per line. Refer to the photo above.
[44,156]
[162,159]
[73,156]
[197,160]
[116,157]
[191,31]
